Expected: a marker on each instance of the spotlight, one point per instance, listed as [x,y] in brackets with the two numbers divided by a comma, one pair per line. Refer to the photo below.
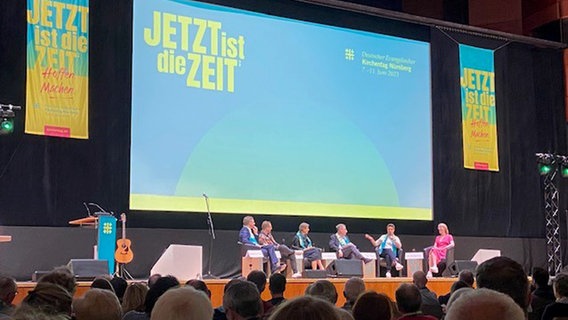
[545,162]
[6,126]
[563,160]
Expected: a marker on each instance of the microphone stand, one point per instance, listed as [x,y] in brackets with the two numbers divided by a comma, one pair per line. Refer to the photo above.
[209,275]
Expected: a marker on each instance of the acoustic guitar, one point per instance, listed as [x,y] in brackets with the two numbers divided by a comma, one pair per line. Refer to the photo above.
[123,252]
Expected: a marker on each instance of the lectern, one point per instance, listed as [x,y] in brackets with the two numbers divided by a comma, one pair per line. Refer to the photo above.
[106,236]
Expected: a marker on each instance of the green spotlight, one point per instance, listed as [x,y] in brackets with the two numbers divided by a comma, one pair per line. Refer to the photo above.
[544,169]
[6,126]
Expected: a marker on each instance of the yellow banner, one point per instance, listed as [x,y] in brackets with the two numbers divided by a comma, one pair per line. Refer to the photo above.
[57,68]
[479,110]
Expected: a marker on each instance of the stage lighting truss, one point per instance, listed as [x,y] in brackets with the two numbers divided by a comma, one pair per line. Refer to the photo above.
[548,166]
[7,115]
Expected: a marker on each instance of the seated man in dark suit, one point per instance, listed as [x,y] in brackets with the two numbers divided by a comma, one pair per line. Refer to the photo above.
[248,236]
[340,243]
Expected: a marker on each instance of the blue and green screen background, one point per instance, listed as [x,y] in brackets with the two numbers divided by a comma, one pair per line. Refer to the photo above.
[316,124]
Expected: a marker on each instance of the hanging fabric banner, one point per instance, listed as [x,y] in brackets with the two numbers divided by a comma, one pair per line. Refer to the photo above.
[57,68]
[479,115]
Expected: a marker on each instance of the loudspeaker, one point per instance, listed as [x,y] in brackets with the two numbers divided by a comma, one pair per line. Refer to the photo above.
[458,265]
[314,274]
[88,269]
[38,274]
[345,268]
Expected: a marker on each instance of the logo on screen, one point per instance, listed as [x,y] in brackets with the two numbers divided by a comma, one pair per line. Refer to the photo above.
[198,49]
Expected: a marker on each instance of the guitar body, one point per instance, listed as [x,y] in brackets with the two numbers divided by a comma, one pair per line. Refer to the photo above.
[123,252]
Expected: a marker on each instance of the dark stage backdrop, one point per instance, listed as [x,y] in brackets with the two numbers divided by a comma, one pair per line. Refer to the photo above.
[44,181]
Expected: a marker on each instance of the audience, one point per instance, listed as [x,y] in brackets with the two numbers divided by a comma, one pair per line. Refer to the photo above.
[242,301]
[8,291]
[119,286]
[325,290]
[353,288]
[49,298]
[542,295]
[134,297]
[277,286]
[305,308]
[153,278]
[30,313]
[372,306]
[61,276]
[259,279]
[456,294]
[408,301]
[199,285]
[465,279]
[507,276]
[183,303]
[97,304]
[219,312]
[559,308]
[102,283]
[484,304]
[430,304]
[161,285]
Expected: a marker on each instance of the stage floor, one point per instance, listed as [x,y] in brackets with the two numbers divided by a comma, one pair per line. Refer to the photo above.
[294,287]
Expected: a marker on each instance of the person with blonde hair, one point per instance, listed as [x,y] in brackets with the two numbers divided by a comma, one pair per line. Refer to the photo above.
[134,297]
[97,304]
[443,242]
[181,304]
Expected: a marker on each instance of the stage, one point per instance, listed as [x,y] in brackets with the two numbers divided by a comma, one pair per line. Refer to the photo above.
[294,287]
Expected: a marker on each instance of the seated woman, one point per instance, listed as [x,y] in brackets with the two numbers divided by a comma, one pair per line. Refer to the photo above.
[443,242]
[304,243]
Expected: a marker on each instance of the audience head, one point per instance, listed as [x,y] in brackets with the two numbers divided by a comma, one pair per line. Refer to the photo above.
[183,303]
[456,295]
[258,278]
[561,285]
[134,297]
[504,275]
[199,285]
[153,278]
[232,282]
[8,289]
[484,304]
[304,227]
[419,279]
[97,304]
[467,277]
[323,289]
[61,276]
[372,306]
[353,288]
[49,298]
[159,288]
[458,285]
[119,285]
[242,301]
[102,283]
[305,308]
[408,298]
[277,283]
[540,277]
[24,312]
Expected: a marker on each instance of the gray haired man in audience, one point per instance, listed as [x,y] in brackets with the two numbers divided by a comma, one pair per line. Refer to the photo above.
[242,301]
[8,291]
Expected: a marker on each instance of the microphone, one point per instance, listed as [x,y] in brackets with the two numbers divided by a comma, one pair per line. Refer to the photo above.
[205,195]
[88,211]
[96,205]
